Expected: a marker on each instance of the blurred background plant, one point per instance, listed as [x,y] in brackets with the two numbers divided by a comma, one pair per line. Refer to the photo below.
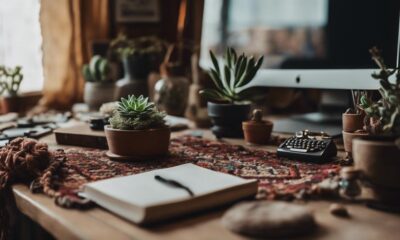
[124,46]
[383,116]
[98,70]
[10,80]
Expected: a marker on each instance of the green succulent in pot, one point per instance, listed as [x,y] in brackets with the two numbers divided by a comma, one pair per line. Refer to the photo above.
[99,87]
[139,57]
[231,79]
[136,113]
[228,103]
[137,130]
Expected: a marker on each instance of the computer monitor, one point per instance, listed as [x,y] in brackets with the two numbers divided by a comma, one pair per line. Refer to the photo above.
[318,44]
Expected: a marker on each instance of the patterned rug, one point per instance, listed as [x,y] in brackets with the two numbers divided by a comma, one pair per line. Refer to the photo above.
[278,178]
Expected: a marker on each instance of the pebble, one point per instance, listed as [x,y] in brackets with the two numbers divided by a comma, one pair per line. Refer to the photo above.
[339,210]
[266,219]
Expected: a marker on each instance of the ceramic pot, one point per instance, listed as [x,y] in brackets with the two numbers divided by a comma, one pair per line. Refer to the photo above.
[171,94]
[137,144]
[137,68]
[352,122]
[97,93]
[379,163]
[257,132]
[348,139]
[227,118]
[10,104]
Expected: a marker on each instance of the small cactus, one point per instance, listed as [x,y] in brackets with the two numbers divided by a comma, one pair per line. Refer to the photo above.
[98,70]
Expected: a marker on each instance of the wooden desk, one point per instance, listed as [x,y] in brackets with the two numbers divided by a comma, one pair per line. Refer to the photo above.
[97,223]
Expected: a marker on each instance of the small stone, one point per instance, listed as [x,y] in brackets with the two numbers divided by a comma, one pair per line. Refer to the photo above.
[265,219]
[339,210]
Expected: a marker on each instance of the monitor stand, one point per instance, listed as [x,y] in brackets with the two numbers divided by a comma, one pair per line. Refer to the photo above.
[328,119]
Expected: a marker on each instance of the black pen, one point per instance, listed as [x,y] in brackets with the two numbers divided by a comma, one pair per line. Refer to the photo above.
[173,183]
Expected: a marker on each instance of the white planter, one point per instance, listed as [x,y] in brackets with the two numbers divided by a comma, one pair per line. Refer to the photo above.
[95,94]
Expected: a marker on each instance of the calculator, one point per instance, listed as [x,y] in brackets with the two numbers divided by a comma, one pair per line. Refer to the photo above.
[308,146]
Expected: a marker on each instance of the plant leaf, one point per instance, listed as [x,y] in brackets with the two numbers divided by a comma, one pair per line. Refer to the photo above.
[212,94]
[238,64]
[215,62]
[234,55]
[216,78]
[241,71]
[227,73]
[244,77]
[86,73]
[228,57]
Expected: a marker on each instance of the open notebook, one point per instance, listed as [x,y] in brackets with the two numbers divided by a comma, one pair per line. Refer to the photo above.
[142,199]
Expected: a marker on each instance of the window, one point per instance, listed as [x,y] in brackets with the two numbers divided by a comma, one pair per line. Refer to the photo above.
[279,29]
[21,40]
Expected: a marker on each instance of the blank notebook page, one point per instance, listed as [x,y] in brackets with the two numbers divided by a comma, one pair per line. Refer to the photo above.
[144,191]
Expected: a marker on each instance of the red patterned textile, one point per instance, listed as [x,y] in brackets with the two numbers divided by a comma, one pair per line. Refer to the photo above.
[278,178]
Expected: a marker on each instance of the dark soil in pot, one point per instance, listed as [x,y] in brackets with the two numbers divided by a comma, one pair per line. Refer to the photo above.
[227,119]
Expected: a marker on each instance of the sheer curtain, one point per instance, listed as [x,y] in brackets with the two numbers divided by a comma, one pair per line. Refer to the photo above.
[21,40]
[68,27]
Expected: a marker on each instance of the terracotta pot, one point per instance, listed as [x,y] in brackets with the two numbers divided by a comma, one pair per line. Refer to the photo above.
[96,93]
[257,132]
[348,139]
[378,159]
[10,104]
[352,122]
[137,144]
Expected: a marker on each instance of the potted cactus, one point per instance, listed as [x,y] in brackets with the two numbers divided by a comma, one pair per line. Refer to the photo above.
[139,57]
[137,130]
[377,156]
[228,103]
[99,88]
[353,121]
[10,81]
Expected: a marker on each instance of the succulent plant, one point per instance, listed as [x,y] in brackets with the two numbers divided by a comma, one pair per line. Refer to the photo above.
[136,113]
[230,82]
[10,80]
[124,46]
[98,70]
[383,116]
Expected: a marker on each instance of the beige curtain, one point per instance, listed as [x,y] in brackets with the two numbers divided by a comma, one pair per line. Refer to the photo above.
[68,27]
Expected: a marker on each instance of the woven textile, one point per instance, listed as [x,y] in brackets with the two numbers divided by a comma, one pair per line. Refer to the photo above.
[278,178]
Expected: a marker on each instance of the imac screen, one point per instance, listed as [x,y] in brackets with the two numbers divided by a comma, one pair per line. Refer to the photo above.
[303,34]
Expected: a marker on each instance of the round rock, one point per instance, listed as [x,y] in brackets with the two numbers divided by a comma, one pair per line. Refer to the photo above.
[269,219]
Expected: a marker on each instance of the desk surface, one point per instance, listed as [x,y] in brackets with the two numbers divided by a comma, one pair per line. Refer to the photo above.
[97,223]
